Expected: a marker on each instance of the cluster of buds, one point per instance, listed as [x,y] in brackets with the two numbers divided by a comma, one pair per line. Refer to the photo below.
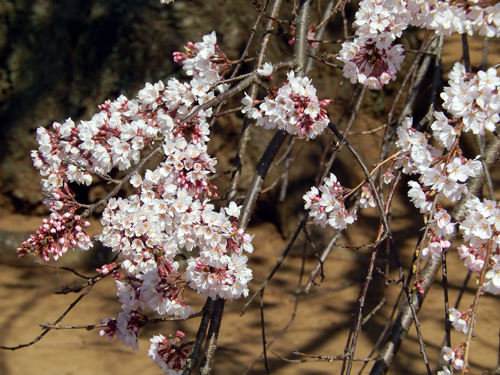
[56,235]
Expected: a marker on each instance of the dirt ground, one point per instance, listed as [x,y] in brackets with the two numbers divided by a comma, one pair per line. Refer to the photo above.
[320,326]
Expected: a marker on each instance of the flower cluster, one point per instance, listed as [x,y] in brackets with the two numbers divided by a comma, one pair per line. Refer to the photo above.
[295,108]
[326,205]
[205,62]
[447,18]
[168,218]
[168,215]
[116,135]
[372,60]
[454,356]
[56,236]
[151,227]
[473,98]
[167,353]
[481,228]
[113,137]
[367,199]
[460,321]
[438,229]
[441,176]
[126,327]
[473,102]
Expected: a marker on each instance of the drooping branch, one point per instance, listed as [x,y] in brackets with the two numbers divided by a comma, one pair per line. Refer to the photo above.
[404,319]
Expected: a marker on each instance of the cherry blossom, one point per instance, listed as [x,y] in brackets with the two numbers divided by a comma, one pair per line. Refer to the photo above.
[367,199]
[168,354]
[295,109]
[326,205]
[266,70]
[444,371]
[371,61]
[473,98]
[454,356]
[457,320]
[493,275]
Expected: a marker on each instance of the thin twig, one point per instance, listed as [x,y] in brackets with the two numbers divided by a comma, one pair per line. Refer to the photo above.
[283,330]
[473,312]
[359,94]
[324,358]
[90,327]
[405,317]
[47,330]
[263,331]
[358,321]
[279,262]
[444,282]
[65,269]
[324,255]
[383,217]
[387,282]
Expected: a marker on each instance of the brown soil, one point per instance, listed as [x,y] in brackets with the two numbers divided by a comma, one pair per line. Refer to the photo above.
[320,327]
